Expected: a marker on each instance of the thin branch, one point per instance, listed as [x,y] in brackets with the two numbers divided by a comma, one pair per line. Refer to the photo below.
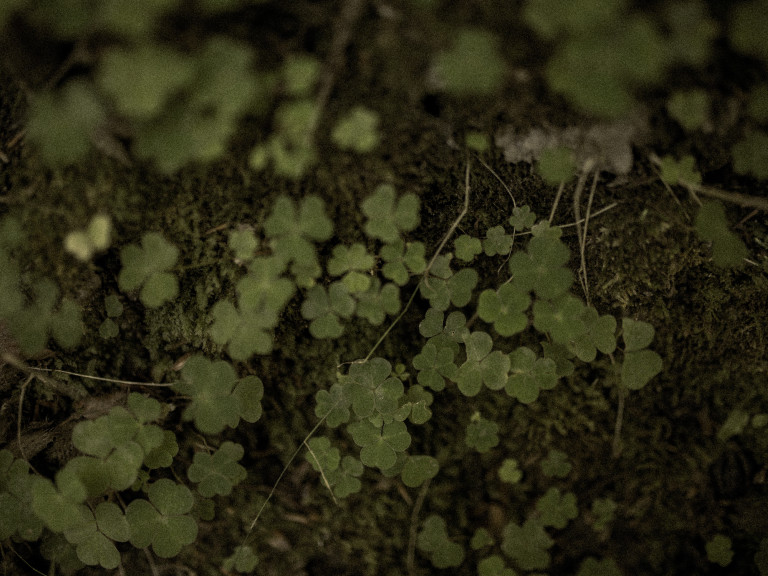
[322,474]
[557,201]
[455,224]
[411,554]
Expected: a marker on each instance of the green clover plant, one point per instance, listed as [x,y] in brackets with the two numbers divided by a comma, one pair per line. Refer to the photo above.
[527,545]
[218,398]
[482,434]
[389,216]
[357,130]
[147,266]
[219,472]
[434,540]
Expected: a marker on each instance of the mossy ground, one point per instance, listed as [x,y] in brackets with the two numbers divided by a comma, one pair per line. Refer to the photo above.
[643,260]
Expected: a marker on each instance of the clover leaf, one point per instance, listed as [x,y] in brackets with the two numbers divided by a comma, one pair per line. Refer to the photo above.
[61,123]
[481,365]
[690,108]
[162,521]
[639,364]
[557,509]
[433,539]
[599,335]
[387,216]
[17,519]
[505,309]
[292,231]
[82,244]
[556,165]
[481,539]
[602,510]
[527,544]
[529,374]
[353,262]
[562,319]
[32,325]
[682,172]
[473,65]
[217,473]
[401,259]
[141,80]
[380,445]
[147,266]
[94,533]
[541,268]
[419,400]
[482,434]
[456,289]
[57,505]
[243,243]
[728,250]
[300,74]
[493,566]
[497,241]
[522,218]
[719,550]
[372,389]
[333,405]
[346,478]
[434,365]
[357,130]
[219,399]
[378,301]
[243,559]
[509,471]
[325,307]
[321,455]
[593,567]
[419,469]
[556,464]
[467,247]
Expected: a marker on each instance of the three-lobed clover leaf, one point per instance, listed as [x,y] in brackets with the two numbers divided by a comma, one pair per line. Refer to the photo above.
[380,445]
[556,464]
[321,455]
[217,473]
[418,400]
[17,519]
[481,539]
[467,247]
[333,405]
[219,398]
[243,559]
[505,309]
[494,566]
[719,550]
[147,266]
[353,262]
[243,242]
[433,539]
[527,545]
[243,332]
[497,241]
[325,307]
[522,218]
[419,469]
[556,509]
[473,65]
[434,365]
[357,130]
[32,325]
[640,365]
[510,472]
[562,319]
[556,165]
[600,334]
[163,521]
[378,301]
[292,232]
[401,259]
[372,389]
[603,510]
[95,532]
[345,479]
[541,268]
[481,366]
[728,250]
[456,289]
[529,374]
[389,216]
[57,505]
[482,434]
